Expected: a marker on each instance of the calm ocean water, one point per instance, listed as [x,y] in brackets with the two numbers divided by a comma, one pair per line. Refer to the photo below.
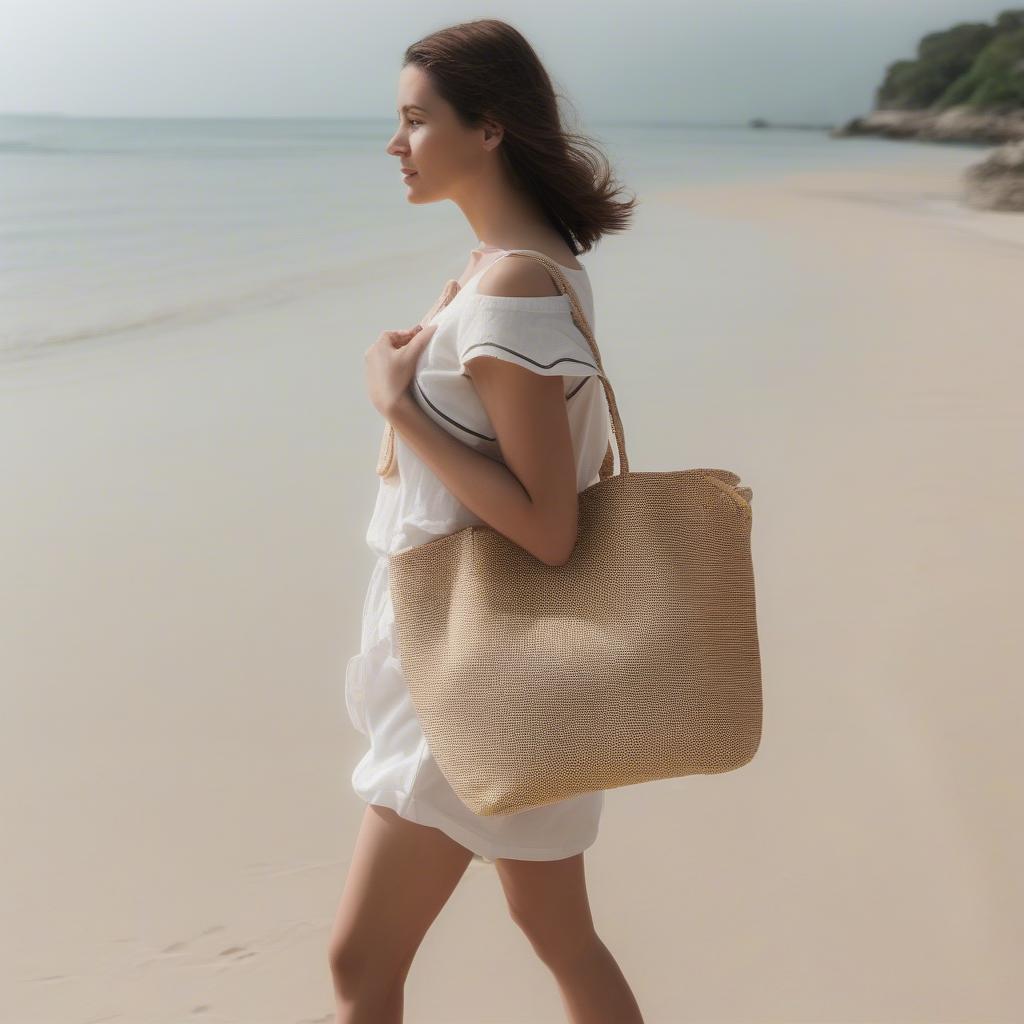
[114,225]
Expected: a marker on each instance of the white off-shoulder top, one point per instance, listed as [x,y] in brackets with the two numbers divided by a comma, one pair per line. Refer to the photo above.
[536,332]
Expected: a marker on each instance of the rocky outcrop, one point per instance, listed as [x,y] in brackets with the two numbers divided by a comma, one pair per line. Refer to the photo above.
[997,183]
[956,124]
[966,84]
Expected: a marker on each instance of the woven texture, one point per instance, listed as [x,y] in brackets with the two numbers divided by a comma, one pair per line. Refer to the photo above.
[636,660]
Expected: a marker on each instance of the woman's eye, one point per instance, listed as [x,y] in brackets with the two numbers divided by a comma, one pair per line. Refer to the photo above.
[414,122]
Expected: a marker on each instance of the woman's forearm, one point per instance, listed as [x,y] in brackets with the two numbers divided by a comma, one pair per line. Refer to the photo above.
[487,488]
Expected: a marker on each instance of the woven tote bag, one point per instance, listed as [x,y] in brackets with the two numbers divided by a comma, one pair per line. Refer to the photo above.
[636,660]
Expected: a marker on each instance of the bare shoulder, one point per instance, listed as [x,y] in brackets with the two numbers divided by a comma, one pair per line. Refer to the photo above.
[517,276]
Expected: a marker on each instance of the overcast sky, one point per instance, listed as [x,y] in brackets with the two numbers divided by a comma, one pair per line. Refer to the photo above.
[687,60]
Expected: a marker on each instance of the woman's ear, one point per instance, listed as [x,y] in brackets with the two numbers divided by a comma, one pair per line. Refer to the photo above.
[493,134]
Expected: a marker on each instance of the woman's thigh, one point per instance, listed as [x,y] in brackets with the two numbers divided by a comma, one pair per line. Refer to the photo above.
[401,875]
[548,900]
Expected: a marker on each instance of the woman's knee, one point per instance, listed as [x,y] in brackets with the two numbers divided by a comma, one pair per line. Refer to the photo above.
[356,969]
[400,877]
[559,944]
[360,953]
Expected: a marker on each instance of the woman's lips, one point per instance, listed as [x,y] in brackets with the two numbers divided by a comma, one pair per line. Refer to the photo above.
[408,174]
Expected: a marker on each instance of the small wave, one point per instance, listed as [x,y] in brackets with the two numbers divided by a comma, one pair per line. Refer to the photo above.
[203,311]
[22,146]
[241,149]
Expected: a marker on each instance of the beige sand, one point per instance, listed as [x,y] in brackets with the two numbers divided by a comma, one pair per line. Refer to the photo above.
[184,567]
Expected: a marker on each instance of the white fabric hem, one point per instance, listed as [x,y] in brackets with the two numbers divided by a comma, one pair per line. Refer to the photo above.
[424,814]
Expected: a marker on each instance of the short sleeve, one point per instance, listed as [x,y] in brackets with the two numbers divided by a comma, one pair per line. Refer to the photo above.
[535,332]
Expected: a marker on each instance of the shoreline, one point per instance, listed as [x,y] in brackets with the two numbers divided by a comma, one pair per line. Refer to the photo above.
[925,192]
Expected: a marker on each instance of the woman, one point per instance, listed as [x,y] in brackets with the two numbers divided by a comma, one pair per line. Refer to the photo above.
[499,417]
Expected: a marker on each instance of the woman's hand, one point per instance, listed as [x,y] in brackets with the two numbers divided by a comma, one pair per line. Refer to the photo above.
[390,364]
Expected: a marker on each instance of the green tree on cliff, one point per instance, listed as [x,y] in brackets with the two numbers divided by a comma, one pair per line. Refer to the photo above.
[996,79]
[973,63]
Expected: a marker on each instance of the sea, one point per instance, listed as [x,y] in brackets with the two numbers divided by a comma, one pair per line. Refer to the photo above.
[119,225]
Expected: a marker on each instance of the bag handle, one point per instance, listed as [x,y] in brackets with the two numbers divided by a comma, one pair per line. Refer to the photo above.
[387,463]
[580,319]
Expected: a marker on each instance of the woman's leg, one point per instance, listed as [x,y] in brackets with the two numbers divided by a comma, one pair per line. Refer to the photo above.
[400,877]
[548,900]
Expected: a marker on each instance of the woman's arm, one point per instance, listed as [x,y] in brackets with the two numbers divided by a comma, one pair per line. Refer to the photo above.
[532,499]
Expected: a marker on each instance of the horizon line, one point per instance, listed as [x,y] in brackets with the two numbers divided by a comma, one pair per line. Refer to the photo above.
[368,117]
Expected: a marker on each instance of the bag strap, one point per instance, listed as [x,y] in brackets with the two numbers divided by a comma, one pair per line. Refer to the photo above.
[387,458]
[580,319]
[387,463]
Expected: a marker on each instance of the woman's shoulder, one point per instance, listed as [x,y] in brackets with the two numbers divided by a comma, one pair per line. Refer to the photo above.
[517,278]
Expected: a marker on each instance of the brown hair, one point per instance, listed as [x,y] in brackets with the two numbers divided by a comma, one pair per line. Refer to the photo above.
[486,70]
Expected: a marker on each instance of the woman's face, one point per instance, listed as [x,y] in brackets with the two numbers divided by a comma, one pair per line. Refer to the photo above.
[431,141]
